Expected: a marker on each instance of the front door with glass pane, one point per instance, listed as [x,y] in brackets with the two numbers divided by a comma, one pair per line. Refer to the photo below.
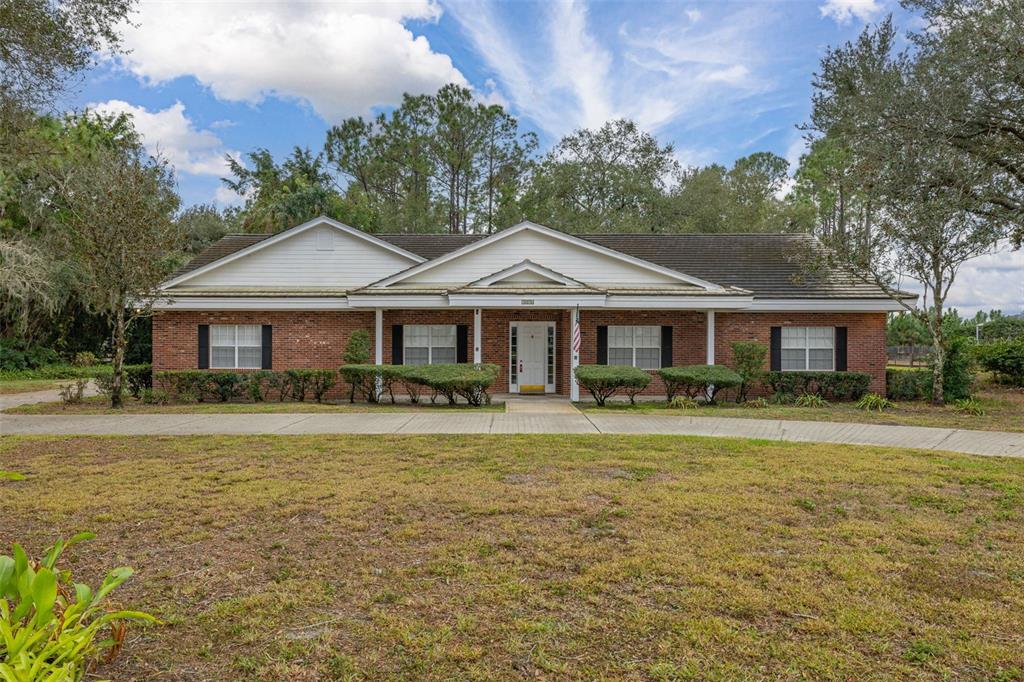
[532,357]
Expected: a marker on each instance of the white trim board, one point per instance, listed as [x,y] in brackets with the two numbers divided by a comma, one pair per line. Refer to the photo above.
[252,303]
[286,234]
[826,305]
[555,234]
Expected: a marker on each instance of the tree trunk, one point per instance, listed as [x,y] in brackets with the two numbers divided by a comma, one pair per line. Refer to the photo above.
[939,358]
[117,384]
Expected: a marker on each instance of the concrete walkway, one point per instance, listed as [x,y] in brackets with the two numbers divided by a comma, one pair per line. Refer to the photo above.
[956,440]
[50,395]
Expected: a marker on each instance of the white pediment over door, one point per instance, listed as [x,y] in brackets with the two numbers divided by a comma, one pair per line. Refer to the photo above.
[526,273]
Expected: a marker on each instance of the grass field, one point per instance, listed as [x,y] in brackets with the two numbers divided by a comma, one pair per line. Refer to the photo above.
[588,557]
[1004,411]
[11,386]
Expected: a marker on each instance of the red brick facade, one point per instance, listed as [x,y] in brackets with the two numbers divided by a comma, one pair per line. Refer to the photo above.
[317,339]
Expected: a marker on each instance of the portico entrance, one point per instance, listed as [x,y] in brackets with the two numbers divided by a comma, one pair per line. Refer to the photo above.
[531,357]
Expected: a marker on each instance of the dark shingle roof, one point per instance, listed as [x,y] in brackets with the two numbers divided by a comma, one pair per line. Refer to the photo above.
[765,264]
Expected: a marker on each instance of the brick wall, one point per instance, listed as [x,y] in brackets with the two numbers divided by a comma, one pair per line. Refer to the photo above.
[865,342]
[317,339]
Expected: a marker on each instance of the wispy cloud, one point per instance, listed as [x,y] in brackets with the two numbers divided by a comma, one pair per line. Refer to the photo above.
[844,11]
[676,65]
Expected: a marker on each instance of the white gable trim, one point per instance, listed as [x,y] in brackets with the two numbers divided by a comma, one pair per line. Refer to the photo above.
[287,234]
[526,266]
[562,236]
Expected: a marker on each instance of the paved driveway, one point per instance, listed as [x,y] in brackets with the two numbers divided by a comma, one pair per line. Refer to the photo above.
[956,440]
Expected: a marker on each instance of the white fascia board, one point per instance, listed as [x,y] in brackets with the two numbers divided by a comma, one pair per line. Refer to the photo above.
[251,303]
[286,234]
[679,302]
[398,301]
[566,300]
[824,305]
[523,266]
[570,239]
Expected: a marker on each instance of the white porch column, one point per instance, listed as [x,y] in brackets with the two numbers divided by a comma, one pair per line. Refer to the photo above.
[711,337]
[574,349]
[477,333]
[378,342]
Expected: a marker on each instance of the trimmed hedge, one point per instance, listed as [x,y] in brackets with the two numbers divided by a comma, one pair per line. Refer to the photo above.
[203,385]
[137,379]
[452,381]
[908,384]
[54,372]
[604,381]
[1005,359]
[829,385]
[698,380]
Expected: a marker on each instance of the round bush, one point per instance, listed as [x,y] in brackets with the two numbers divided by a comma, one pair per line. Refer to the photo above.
[604,381]
[698,380]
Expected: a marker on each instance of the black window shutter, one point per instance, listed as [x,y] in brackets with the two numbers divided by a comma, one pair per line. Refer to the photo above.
[267,345]
[204,346]
[776,350]
[397,344]
[666,345]
[462,343]
[602,345]
[840,349]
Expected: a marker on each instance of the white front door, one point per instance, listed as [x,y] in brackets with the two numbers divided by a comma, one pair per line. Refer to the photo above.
[532,357]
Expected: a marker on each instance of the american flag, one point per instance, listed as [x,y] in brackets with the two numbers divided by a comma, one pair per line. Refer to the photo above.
[576,333]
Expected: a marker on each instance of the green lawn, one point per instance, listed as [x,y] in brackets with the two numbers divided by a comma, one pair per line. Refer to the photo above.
[1004,411]
[492,557]
[26,385]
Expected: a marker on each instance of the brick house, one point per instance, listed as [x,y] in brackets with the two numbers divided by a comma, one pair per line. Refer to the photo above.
[517,298]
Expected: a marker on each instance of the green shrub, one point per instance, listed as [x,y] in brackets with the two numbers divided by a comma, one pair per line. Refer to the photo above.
[873,401]
[969,406]
[357,350]
[748,358]
[224,386]
[828,385]
[811,400]
[755,404]
[73,393]
[52,628]
[17,355]
[256,385]
[682,402]
[467,381]
[155,396]
[957,375]
[191,383]
[138,378]
[604,381]
[1005,359]
[84,358]
[362,380]
[908,384]
[321,381]
[698,380]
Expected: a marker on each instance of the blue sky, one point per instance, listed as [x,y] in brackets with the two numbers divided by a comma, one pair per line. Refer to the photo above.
[719,80]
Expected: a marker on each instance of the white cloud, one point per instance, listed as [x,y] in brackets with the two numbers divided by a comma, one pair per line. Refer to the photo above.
[340,58]
[172,133]
[565,77]
[993,281]
[843,11]
[225,196]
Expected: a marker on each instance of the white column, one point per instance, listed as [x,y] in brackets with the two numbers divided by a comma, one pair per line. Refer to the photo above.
[378,341]
[477,332]
[711,337]
[574,331]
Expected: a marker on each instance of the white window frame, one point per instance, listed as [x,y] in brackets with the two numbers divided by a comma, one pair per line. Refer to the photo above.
[235,346]
[430,341]
[807,348]
[633,347]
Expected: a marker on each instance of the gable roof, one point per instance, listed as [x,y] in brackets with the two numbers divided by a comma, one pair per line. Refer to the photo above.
[550,277]
[764,264]
[555,234]
[266,240]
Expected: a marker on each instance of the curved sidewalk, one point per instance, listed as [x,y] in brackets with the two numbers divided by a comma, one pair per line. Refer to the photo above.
[954,440]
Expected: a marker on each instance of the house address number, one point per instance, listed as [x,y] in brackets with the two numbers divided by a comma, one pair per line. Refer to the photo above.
[526,301]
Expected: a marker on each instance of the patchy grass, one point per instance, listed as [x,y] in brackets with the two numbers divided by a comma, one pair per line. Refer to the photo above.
[101,405]
[9,386]
[1004,411]
[493,557]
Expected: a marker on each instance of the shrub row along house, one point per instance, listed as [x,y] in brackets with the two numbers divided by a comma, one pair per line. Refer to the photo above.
[534,301]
